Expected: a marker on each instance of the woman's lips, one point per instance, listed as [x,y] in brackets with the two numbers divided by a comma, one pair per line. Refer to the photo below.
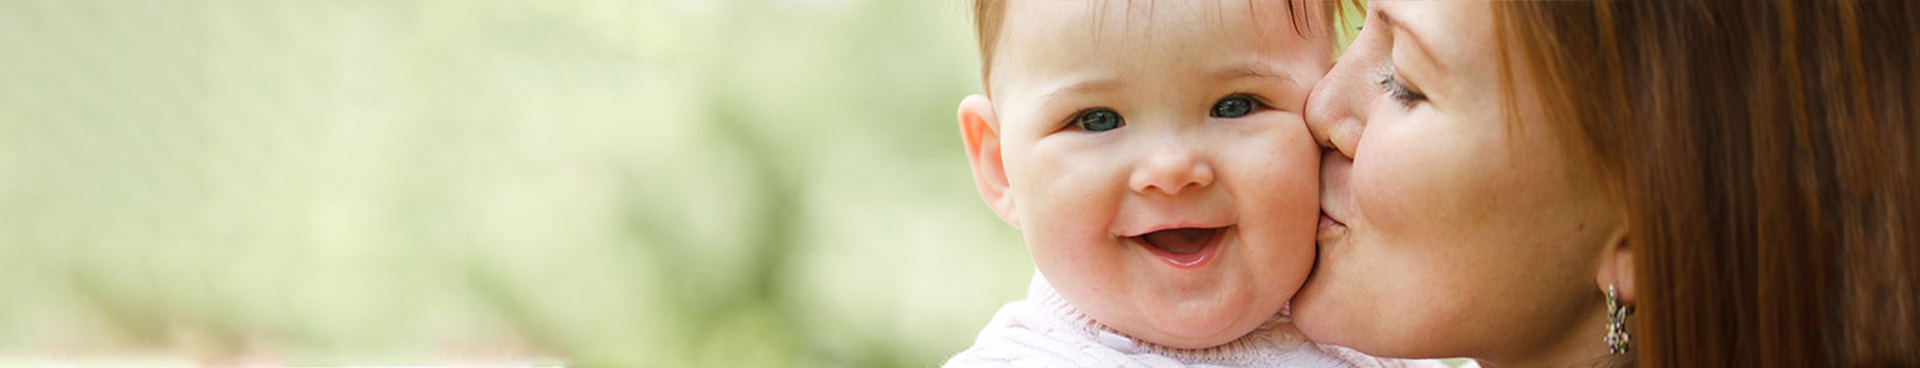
[1335,202]
[1330,229]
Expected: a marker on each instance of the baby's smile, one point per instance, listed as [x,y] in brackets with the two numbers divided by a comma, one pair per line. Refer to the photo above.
[1183,246]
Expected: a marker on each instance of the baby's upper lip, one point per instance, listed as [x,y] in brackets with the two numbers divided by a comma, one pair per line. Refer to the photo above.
[1170,225]
[1138,218]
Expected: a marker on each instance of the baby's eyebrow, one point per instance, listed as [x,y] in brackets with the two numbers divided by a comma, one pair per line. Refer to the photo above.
[1084,86]
[1253,71]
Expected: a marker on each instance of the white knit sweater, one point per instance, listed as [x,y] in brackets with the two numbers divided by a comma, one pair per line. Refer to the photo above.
[1043,330]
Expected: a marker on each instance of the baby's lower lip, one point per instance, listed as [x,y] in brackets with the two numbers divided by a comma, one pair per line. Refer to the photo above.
[1189,260]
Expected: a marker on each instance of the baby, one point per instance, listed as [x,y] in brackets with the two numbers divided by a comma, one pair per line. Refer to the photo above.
[1154,157]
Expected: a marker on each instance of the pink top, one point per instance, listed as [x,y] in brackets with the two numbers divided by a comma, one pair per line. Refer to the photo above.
[1043,330]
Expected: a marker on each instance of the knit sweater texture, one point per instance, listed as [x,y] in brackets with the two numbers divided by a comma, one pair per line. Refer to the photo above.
[1044,330]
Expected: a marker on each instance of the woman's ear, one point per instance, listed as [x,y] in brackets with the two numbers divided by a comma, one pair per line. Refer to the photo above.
[1616,265]
[980,131]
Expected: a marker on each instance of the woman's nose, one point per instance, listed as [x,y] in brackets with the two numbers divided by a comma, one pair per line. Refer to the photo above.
[1169,170]
[1330,110]
[1336,108]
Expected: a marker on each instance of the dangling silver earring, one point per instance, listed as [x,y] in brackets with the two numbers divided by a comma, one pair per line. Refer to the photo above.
[1618,341]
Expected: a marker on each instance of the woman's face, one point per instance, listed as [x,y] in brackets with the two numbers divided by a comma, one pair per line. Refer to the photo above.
[1450,229]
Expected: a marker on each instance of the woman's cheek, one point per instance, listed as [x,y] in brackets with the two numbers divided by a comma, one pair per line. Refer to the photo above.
[1386,183]
[1412,252]
[1423,179]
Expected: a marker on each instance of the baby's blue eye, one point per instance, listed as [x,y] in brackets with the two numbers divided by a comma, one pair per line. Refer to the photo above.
[1097,120]
[1234,106]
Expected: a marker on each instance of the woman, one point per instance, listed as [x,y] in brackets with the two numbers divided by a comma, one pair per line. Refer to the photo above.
[1512,181]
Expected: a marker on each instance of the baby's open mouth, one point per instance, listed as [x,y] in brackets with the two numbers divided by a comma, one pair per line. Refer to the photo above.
[1187,246]
[1186,240]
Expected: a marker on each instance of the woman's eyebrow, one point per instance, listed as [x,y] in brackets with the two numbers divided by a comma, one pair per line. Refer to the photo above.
[1418,43]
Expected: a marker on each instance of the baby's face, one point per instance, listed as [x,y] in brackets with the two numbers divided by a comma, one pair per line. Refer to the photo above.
[1157,161]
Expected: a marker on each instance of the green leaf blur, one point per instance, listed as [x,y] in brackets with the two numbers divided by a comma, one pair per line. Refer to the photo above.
[599,183]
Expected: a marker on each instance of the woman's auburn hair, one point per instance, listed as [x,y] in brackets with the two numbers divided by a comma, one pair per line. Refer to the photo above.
[1766,152]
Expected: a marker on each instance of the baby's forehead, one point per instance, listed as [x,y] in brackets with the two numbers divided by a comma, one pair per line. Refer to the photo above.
[1117,40]
[1141,20]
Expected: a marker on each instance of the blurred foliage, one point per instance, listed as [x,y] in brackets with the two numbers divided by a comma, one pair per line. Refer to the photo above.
[607,183]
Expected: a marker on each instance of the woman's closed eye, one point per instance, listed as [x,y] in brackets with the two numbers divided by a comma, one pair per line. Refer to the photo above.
[1408,96]
[1098,119]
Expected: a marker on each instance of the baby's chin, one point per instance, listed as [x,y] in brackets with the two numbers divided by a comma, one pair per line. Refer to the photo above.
[1197,326]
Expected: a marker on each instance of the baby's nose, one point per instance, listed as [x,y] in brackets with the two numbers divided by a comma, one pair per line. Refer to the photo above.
[1169,170]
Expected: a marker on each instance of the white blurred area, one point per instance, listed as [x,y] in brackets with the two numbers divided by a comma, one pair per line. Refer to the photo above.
[597,183]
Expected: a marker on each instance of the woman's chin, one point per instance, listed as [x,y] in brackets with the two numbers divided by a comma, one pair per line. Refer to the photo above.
[1310,322]
[1327,323]
[1320,321]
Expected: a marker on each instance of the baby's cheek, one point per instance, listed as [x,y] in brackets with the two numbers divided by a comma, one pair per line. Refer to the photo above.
[1291,164]
[1283,169]
[1288,224]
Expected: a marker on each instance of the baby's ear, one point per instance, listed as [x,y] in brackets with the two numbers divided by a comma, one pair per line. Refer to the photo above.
[980,131]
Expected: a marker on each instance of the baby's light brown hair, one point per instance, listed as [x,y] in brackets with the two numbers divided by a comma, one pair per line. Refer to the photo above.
[989,14]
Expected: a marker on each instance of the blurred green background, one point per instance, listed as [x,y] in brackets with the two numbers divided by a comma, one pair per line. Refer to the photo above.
[611,183]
